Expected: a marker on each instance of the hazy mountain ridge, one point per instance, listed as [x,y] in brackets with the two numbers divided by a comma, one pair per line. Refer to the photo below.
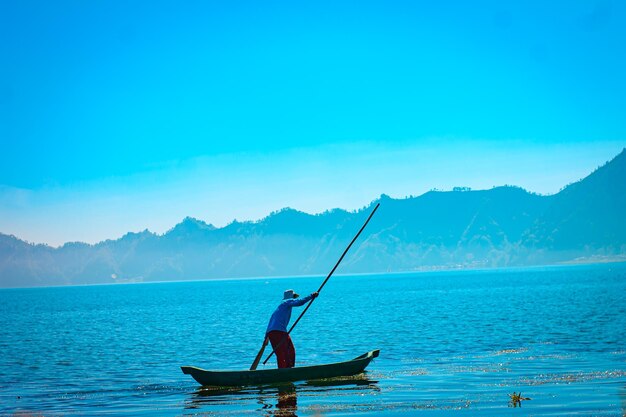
[504,226]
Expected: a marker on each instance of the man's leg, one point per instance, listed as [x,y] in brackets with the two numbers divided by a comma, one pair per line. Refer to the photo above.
[290,353]
[280,341]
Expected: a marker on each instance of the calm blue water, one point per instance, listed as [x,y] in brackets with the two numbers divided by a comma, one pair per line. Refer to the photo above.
[451,343]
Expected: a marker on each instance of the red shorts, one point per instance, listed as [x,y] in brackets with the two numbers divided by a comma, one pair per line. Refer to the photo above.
[283,346]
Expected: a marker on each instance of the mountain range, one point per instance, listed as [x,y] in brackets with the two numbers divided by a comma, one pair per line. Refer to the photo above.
[503,226]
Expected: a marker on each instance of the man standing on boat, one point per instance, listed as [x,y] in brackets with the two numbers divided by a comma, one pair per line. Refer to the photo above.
[277,328]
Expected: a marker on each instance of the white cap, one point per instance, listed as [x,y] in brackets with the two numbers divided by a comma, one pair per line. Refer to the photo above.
[288,294]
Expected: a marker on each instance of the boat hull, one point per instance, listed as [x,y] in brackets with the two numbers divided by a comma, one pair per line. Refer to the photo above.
[272,376]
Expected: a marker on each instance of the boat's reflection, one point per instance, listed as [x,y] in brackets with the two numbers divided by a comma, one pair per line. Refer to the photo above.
[277,399]
[286,402]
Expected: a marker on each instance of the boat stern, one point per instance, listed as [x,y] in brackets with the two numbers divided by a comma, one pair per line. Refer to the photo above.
[369,355]
[188,370]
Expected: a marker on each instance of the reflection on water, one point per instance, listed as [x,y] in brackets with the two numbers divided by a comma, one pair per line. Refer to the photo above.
[286,402]
[277,399]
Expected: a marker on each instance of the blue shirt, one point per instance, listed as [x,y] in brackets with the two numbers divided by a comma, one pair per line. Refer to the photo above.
[281,316]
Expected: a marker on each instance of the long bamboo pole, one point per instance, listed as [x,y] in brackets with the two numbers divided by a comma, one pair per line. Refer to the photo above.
[321,286]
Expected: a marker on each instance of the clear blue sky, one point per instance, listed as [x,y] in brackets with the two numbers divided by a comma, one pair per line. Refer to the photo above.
[118,116]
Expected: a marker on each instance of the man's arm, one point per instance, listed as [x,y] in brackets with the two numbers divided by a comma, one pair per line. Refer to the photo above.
[297,302]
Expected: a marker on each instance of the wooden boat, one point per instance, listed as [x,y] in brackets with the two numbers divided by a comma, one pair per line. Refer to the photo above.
[272,376]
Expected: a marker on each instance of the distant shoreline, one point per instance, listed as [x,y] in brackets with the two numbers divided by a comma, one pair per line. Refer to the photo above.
[596,260]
